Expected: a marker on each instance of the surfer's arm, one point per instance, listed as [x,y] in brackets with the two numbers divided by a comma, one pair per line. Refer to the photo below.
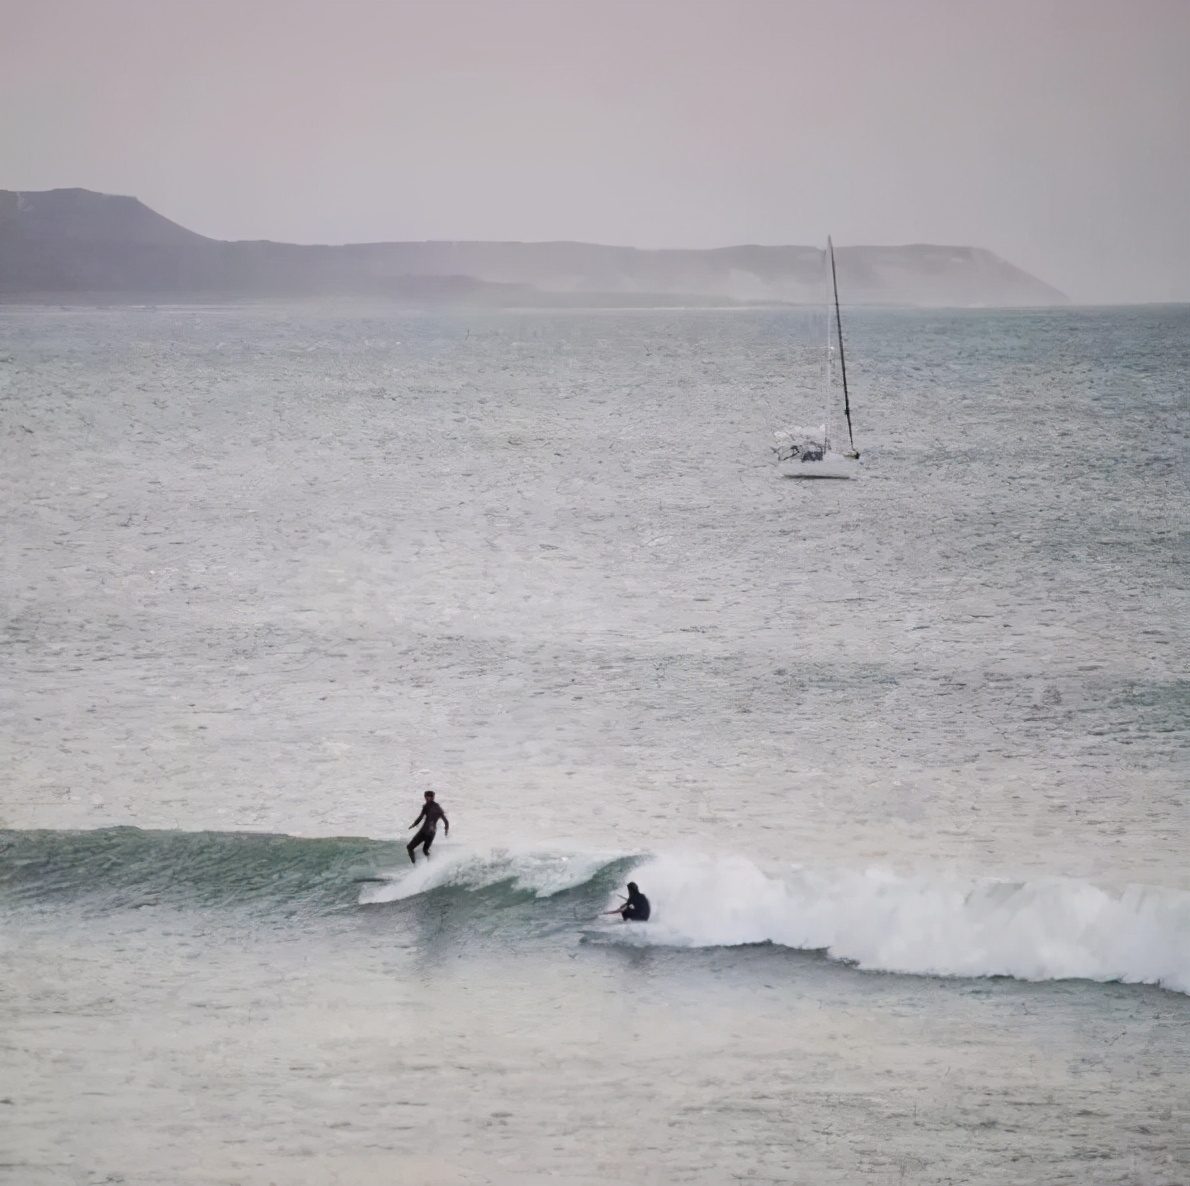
[419,818]
[445,824]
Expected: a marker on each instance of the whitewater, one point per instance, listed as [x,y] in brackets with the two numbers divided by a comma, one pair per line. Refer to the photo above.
[901,763]
[1043,930]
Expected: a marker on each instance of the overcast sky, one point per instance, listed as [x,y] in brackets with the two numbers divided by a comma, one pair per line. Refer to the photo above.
[1054,132]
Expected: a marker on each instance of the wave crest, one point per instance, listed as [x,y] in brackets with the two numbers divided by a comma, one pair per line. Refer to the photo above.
[541,873]
[1043,929]
[929,924]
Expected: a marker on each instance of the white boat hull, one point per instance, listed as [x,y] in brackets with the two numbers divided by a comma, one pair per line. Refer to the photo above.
[833,465]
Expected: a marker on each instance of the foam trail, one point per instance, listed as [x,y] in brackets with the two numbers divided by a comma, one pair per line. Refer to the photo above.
[1045,929]
[543,873]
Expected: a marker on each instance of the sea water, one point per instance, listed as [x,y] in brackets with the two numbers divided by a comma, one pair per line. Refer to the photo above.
[901,762]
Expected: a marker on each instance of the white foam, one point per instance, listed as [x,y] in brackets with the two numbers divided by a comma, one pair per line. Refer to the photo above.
[1045,929]
[543,873]
[1039,929]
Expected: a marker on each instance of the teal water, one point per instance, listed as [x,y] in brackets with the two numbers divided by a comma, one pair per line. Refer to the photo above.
[901,762]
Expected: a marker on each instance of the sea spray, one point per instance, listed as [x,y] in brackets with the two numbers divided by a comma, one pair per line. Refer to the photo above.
[541,873]
[929,924]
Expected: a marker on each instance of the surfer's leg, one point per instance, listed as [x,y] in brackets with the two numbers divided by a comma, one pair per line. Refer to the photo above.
[426,846]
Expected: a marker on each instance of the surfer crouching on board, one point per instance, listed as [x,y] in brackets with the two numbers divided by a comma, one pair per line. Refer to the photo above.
[635,908]
[431,813]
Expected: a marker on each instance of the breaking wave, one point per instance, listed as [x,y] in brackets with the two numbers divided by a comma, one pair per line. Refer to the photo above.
[1035,929]
[1038,929]
[542,874]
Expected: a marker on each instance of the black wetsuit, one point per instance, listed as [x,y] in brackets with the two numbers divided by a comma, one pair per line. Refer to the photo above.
[431,813]
[636,909]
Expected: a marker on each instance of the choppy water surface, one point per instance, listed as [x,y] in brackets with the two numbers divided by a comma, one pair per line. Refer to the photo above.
[278,571]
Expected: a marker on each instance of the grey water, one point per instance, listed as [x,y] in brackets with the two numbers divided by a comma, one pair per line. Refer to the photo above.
[902,762]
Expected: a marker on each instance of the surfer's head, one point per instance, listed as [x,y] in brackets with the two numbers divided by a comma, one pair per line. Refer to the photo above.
[632,887]
[429,794]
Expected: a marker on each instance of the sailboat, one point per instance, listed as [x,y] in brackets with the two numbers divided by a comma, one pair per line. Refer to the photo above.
[809,453]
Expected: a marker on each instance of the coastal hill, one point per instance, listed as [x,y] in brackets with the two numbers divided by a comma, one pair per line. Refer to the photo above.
[63,243]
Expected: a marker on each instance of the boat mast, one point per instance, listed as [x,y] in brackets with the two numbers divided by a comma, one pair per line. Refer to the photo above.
[842,359]
[830,372]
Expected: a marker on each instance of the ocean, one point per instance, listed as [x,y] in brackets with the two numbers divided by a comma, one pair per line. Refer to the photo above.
[902,763]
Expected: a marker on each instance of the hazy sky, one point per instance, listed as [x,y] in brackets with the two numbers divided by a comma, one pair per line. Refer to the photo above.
[1054,132]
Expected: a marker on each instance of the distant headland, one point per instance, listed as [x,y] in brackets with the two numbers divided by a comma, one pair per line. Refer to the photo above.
[73,244]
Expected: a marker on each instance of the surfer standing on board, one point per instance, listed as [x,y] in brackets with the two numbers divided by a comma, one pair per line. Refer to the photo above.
[635,908]
[431,813]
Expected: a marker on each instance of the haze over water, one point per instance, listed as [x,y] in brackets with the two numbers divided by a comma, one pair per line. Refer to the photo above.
[1051,132]
[901,762]
[279,570]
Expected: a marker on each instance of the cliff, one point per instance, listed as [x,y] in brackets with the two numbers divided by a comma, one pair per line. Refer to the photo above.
[56,244]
